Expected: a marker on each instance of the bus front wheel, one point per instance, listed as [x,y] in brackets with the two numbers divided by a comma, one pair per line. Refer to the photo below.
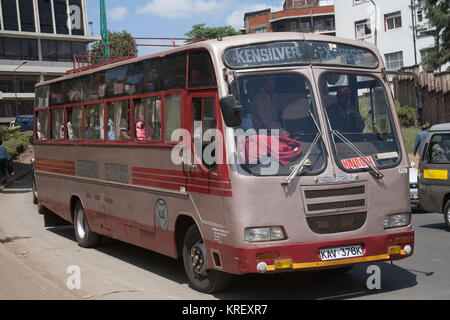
[86,238]
[195,263]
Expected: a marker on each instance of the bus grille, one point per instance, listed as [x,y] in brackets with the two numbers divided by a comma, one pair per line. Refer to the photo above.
[337,223]
[334,199]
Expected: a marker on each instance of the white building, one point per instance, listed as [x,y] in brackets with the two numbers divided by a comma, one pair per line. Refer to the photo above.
[45,34]
[389,24]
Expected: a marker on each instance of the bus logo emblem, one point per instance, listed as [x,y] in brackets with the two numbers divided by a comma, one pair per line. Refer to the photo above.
[162,216]
[339,178]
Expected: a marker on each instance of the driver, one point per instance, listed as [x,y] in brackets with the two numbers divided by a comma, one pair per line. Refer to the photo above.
[343,116]
[265,107]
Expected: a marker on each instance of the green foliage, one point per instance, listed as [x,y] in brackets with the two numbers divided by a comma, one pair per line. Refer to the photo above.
[127,48]
[406,114]
[204,32]
[4,132]
[436,12]
[18,143]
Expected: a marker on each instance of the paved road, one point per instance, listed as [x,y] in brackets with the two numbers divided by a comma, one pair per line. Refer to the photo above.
[34,264]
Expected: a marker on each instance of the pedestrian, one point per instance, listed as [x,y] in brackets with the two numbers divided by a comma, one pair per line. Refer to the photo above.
[4,159]
[420,140]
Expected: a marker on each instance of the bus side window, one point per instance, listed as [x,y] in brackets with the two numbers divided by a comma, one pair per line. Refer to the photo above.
[93,120]
[69,124]
[147,118]
[77,123]
[41,125]
[204,119]
[201,70]
[57,126]
[175,72]
[119,120]
[172,116]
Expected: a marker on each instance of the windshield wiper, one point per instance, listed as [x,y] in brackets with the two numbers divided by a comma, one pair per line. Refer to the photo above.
[377,173]
[303,163]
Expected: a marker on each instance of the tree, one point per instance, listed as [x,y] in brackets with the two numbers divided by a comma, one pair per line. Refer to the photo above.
[204,32]
[116,50]
[436,12]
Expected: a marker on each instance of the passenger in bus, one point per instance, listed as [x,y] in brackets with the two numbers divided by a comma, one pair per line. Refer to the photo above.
[38,129]
[265,108]
[343,116]
[141,129]
[111,134]
[124,130]
[69,131]
[93,131]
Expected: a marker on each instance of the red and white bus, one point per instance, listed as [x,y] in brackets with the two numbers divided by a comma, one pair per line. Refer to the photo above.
[247,154]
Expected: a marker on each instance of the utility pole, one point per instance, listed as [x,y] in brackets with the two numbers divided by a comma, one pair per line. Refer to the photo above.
[413,13]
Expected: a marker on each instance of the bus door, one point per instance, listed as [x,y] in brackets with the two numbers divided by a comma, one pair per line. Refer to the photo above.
[205,175]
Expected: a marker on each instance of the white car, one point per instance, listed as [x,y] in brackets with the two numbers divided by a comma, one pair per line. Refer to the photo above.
[413,185]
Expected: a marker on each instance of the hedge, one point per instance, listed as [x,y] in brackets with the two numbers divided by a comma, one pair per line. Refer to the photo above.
[17,142]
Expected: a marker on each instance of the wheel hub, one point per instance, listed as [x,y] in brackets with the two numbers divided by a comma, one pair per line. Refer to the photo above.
[198,259]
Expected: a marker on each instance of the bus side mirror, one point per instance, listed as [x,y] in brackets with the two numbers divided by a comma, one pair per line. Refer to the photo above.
[231,111]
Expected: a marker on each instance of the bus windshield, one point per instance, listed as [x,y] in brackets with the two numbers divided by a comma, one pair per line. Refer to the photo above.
[279,122]
[358,111]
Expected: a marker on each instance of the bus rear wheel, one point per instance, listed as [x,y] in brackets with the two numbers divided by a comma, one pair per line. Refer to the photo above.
[196,265]
[86,238]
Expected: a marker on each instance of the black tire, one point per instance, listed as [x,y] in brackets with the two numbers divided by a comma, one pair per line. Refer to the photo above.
[86,238]
[447,214]
[34,191]
[206,281]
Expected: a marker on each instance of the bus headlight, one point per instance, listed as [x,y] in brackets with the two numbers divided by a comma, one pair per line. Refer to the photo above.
[397,220]
[264,234]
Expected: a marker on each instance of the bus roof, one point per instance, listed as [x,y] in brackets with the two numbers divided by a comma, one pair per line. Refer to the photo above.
[219,45]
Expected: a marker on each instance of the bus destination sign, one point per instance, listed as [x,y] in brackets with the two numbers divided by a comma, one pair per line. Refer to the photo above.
[299,52]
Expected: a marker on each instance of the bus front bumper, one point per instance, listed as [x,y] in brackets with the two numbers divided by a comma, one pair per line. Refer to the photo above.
[308,256]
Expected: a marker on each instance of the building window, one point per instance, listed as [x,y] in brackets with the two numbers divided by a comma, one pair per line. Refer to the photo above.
[61,16]
[27,15]
[363,29]
[261,30]
[394,61]
[393,20]
[24,84]
[420,15]
[63,51]
[18,49]
[10,15]
[45,16]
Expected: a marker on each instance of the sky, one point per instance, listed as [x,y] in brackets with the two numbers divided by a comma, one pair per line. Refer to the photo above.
[173,18]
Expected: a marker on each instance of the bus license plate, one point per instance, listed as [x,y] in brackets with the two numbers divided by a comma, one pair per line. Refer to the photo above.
[341,253]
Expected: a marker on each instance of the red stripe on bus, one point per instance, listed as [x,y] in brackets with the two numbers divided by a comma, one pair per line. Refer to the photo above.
[178,173]
[168,185]
[184,180]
